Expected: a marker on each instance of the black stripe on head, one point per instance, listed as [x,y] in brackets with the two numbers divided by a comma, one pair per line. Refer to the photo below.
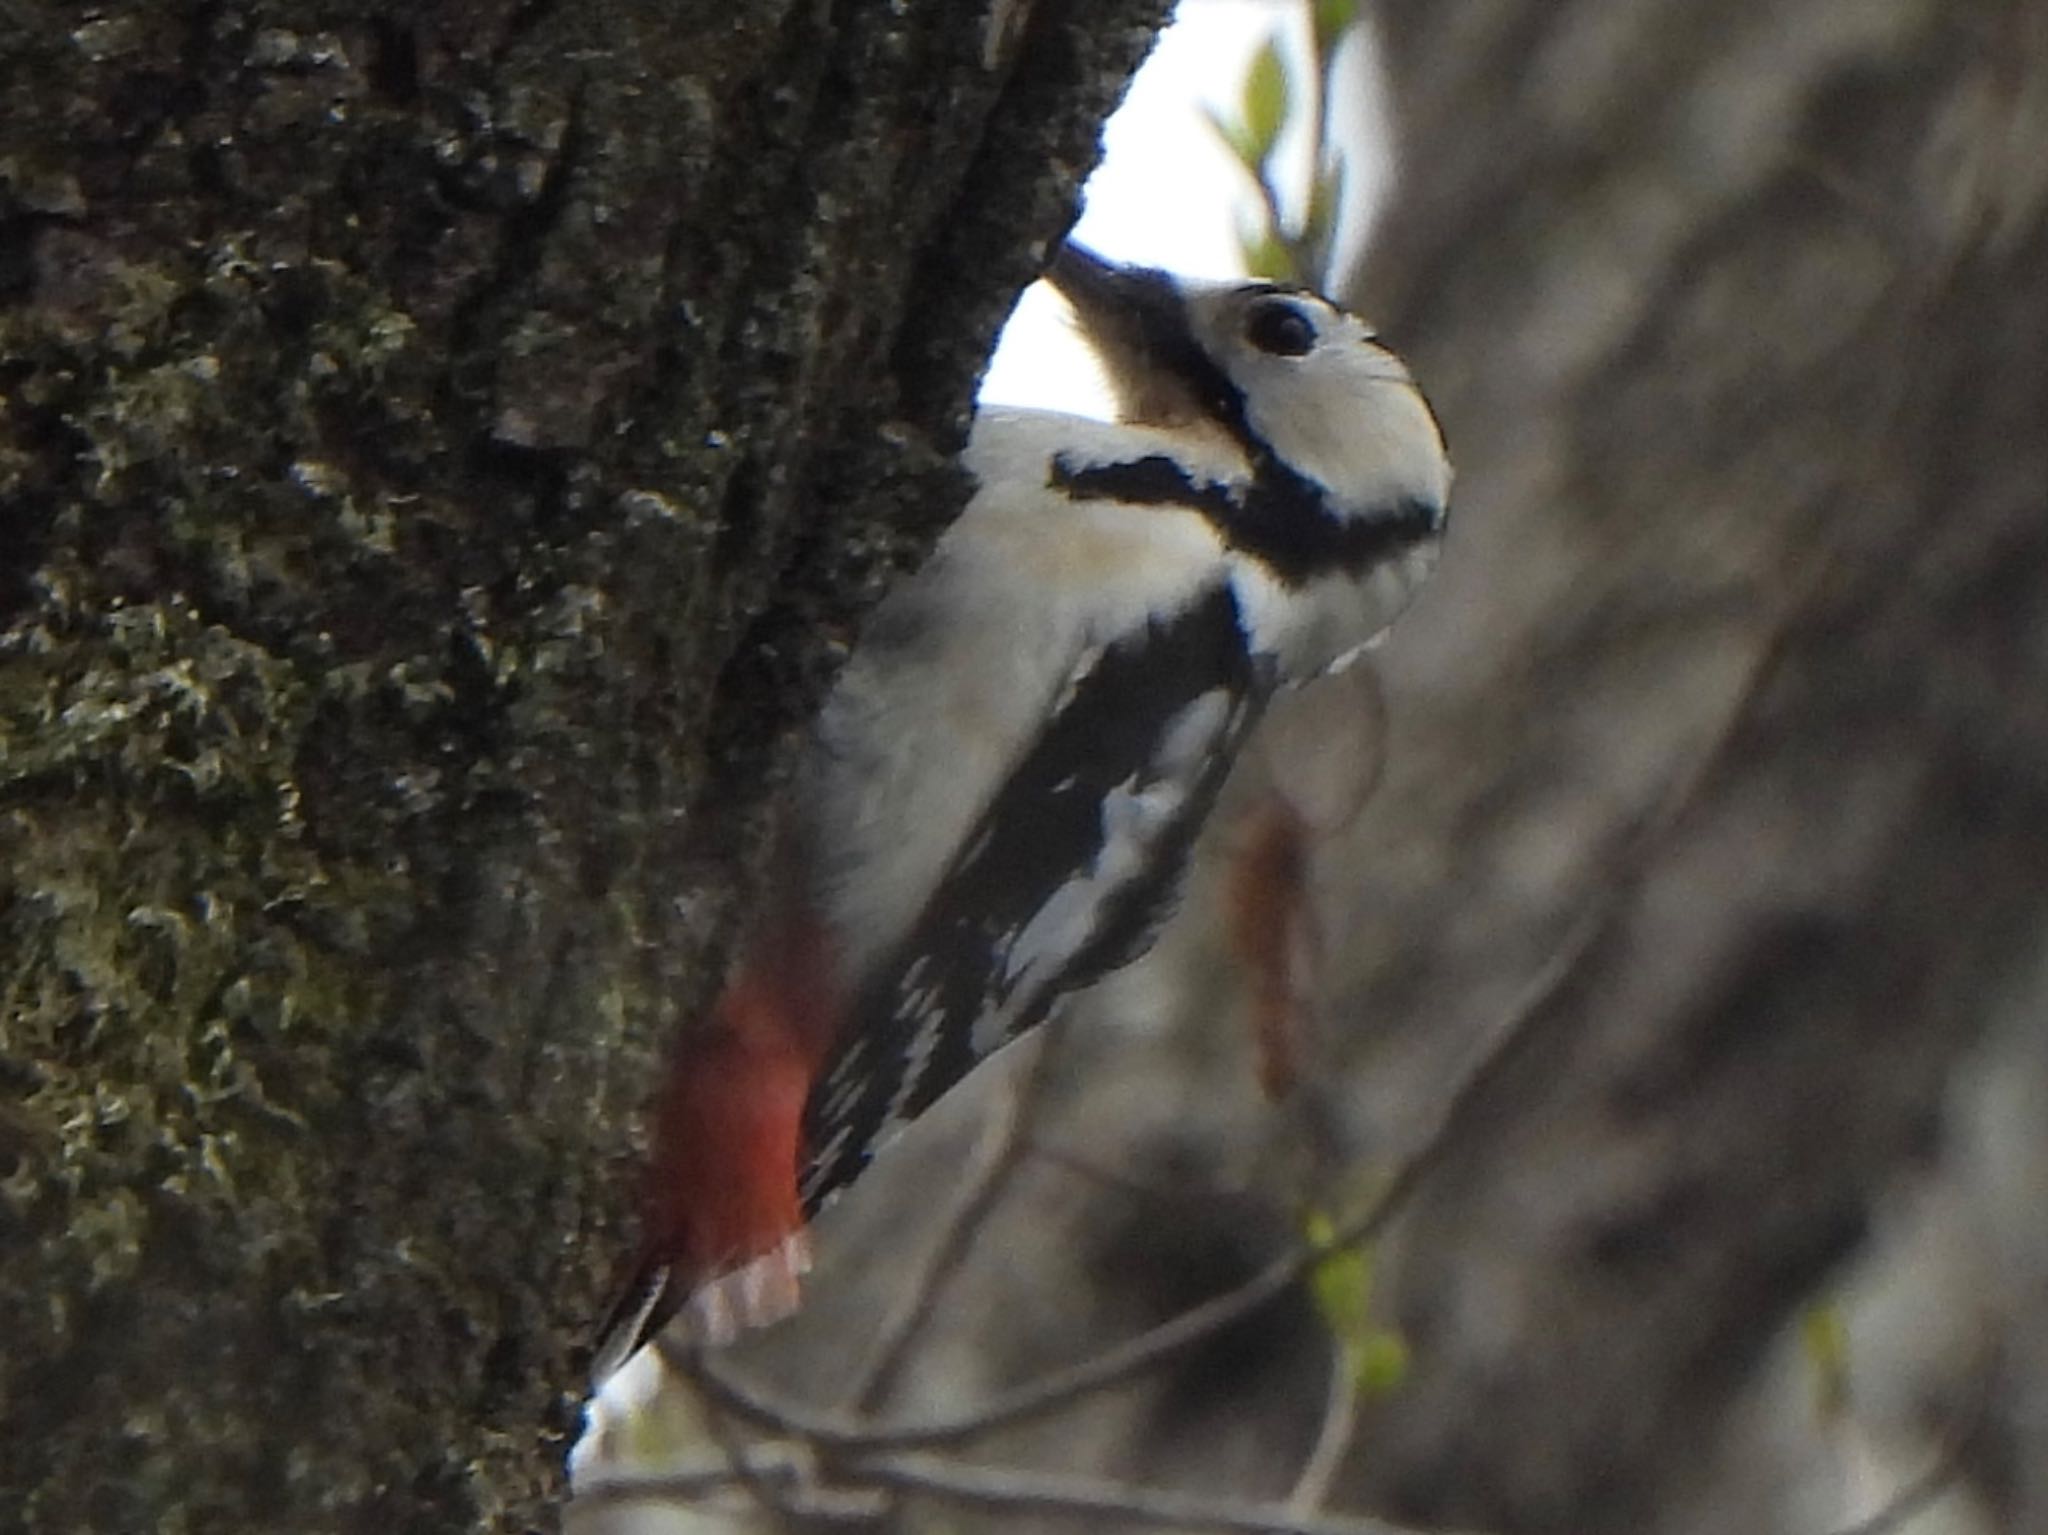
[1141,312]
[1155,721]
[1283,517]
[1283,521]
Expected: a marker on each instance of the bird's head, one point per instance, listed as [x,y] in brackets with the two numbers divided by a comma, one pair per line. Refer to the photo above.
[1346,483]
[1283,371]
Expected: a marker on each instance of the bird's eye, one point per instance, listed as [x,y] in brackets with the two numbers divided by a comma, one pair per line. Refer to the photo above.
[1280,328]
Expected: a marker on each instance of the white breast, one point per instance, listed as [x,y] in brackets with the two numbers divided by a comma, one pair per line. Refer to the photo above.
[962,661]
[1324,625]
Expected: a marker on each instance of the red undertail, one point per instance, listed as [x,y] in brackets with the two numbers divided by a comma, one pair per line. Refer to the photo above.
[724,1234]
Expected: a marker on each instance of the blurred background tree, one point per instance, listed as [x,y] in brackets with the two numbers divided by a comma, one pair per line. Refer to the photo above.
[1695,930]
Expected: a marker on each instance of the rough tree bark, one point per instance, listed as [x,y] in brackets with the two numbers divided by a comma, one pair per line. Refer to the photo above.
[1727,710]
[441,449]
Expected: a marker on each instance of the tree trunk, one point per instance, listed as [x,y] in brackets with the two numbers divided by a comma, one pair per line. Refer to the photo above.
[443,449]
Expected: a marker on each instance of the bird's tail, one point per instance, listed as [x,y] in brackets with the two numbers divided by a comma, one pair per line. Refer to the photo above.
[761,1290]
[724,1241]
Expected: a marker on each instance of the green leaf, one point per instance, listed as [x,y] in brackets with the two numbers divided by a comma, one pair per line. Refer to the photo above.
[1266,255]
[1315,243]
[1236,139]
[1824,1339]
[1265,102]
[1341,1284]
[1381,1363]
[1331,19]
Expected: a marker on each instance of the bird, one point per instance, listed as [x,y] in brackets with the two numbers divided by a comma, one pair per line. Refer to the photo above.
[996,804]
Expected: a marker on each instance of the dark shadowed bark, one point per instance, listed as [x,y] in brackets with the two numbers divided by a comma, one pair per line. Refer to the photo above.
[442,449]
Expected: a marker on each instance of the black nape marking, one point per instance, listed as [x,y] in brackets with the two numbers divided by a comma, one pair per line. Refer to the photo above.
[1154,480]
[1282,518]
[912,1030]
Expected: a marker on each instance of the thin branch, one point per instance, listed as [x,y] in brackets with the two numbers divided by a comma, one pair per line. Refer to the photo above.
[827,1430]
[1110,1180]
[787,1476]
[1135,1355]
[786,1463]
[997,1151]
[1910,1499]
[1322,156]
[1340,1423]
[782,1476]
[1276,221]
[1942,1472]
[790,1485]
[863,1484]
[1097,1499]
[1120,1362]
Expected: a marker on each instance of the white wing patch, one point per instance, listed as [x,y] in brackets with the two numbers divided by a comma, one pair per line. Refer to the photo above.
[922,1004]
[1136,815]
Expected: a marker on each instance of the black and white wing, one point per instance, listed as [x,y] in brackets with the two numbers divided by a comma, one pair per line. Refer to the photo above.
[1064,878]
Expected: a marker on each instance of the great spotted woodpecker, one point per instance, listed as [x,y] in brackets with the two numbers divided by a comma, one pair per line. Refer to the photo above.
[999,797]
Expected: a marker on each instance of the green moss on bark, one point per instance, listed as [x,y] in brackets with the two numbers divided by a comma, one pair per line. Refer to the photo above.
[443,453]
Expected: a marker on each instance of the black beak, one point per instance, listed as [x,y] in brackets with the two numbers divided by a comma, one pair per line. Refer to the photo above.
[1136,318]
[1085,280]
[1129,312]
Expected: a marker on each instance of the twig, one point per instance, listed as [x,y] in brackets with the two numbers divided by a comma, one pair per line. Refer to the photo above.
[787,1476]
[997,1152]
[1120,1362]
[1111,1180]
[1340,1423]
[790,1484]
[1909,1499]
[827,1430]
[1135,1355]
[782,1476]
[1097,1499]
[786,1463]
[1322,156]
[1916,1494]
[863,1483]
